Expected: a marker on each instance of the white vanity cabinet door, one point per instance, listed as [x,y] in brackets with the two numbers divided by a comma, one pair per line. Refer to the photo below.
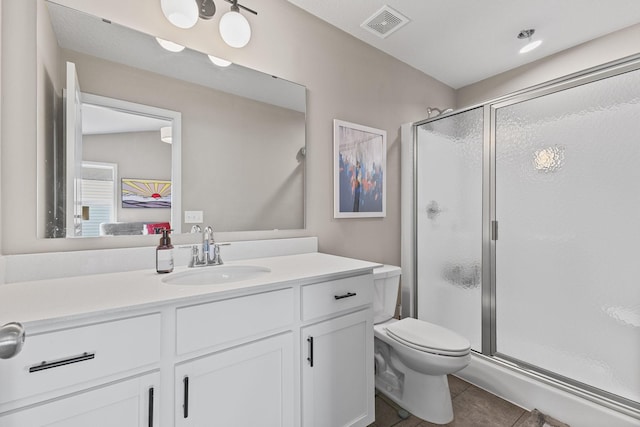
[129,403]
[248,385]
[337,372]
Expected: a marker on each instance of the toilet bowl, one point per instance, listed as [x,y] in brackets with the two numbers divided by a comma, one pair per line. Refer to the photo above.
[414,357]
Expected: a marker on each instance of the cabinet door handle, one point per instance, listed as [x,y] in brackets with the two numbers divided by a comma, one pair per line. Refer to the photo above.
[185,406]
[310,358]
[151,407]
[347,295]
[61,362]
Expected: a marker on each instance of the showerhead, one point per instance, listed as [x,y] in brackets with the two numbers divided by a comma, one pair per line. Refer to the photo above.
[437,110]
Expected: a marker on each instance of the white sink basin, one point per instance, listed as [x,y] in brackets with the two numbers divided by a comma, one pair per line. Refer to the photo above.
[215,275]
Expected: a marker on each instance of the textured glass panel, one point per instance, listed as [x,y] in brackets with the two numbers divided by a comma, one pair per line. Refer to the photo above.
[568,204]
[449,215]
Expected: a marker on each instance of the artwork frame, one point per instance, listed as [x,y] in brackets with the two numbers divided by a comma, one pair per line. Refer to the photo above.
[145,193]
[360,171]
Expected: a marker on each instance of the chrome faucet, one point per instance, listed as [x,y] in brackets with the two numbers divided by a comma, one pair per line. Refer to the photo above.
[194,261]
[208,252]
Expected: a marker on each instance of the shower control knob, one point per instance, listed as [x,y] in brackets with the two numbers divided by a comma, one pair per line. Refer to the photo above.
[433,209]
[12,338]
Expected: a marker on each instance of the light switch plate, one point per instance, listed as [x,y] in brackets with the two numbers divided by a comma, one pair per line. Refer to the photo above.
[193,217]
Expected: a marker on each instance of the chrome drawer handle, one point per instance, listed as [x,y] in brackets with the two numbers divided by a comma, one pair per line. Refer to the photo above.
[12,337]
[347,295]
[57,363]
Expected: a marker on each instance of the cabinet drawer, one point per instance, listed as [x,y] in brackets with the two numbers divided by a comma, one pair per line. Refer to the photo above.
[63,358]
[322,299]
[215,323]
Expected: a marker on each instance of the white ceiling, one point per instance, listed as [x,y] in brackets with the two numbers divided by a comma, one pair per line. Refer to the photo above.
[101,120]
[460,42]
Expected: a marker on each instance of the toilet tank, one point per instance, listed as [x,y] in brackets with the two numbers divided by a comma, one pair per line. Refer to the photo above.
[386,281]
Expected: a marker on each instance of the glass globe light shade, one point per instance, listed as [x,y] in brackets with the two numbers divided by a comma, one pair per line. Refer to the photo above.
[235,29]
[181,13]
[169,45]
[219,61]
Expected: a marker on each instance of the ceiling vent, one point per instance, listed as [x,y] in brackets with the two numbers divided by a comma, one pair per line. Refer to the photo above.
[385,21]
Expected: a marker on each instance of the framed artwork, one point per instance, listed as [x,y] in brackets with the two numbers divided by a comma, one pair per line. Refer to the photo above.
[360,165]
[146,193]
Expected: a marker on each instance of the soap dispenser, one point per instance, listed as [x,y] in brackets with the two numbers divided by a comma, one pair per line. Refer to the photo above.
[164,253]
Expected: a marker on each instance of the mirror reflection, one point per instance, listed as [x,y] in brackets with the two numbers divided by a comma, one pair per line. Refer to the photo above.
[238,136]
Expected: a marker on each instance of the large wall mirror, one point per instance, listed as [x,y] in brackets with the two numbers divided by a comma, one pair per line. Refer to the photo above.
[132,135]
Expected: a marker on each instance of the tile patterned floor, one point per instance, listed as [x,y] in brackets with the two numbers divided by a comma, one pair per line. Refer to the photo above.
[472,407]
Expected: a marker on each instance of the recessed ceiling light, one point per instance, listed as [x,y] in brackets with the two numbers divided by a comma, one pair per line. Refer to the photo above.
[530,46]
[527,34]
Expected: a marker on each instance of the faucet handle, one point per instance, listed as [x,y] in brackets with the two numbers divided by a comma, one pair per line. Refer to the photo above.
[208,232]
[217,256]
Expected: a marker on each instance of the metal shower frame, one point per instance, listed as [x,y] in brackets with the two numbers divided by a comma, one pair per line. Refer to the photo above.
[490,229]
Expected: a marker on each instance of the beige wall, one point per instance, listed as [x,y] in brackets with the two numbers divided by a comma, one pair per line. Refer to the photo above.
[605,49]
[345,78]
[138,155]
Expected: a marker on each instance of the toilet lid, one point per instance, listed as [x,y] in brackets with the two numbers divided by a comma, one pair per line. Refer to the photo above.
[428,337]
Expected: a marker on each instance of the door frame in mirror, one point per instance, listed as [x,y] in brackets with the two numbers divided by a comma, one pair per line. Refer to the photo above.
[176,143]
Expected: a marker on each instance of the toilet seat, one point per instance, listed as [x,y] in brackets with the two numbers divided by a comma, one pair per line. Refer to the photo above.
[427,337]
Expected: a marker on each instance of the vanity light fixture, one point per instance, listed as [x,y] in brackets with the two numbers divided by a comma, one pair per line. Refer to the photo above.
[219,61]
[169,45]
[234,28]
[527,34]
[166,134]
[181,13]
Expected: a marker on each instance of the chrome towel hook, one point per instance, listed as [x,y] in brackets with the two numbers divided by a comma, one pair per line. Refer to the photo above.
[12,338]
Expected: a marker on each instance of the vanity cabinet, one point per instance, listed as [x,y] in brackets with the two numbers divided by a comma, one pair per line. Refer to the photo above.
[248,385]
[337,365]
[247,376]
[98,374]
[128,403]
[293,352]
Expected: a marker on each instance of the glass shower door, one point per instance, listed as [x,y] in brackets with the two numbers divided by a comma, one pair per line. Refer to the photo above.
[449,223]
[567,278]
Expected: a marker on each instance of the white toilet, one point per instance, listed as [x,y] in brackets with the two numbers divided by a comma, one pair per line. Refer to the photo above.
[413,357]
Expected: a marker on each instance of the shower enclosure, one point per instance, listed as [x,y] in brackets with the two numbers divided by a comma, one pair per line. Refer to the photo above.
[527,230]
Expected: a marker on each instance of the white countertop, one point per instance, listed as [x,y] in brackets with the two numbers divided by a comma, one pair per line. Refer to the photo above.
[81,296]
